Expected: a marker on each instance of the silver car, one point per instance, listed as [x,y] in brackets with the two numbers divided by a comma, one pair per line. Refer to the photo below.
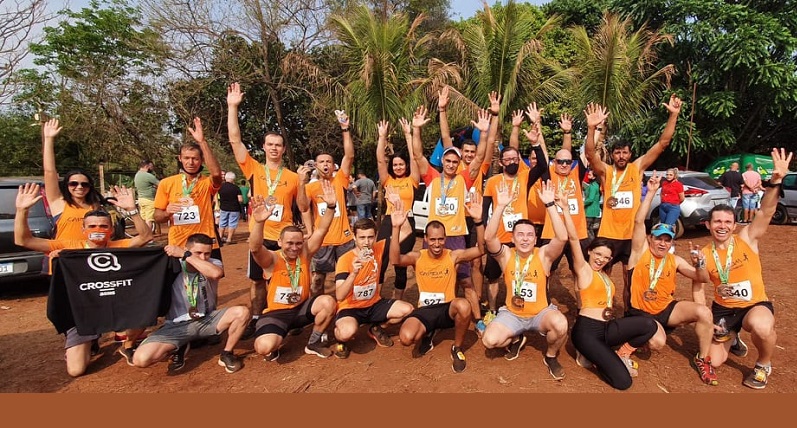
[787,206]
[701,193]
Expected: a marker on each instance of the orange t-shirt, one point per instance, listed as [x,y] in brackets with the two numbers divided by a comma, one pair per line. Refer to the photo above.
[197,218]
[70,222]
[478,182]
[366,289]
[279,287]
[533,287]
[405,187]
[640,283]
[76,244]
[449,210]
[618,222]
[595,295]
[339,232]
[285,191]
[745,276]
[519,207]
[436,278]
[571,186]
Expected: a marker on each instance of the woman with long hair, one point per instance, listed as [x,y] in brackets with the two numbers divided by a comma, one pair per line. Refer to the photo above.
[399,179]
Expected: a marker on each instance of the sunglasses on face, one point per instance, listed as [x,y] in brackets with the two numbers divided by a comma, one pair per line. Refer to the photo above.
[563,161]
[84,184]
[510,160]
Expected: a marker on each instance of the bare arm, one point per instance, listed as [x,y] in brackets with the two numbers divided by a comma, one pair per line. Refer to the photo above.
[596,114]
[234,98]
[205,267]
[301,193]
[126,201]
[514,136]
[381,158]
[442,105]
[413,167]
[207,154]
[580,265]
[646,160]
[699,292]
[317,237]
[692,271]
[483,126]
[344,286]
[397,219]
[50,130]
[263,256]
[419,119]
[348,148]
[492,135]
[27,196]
[639,240]
[769,202]
[566,125]
[553,249]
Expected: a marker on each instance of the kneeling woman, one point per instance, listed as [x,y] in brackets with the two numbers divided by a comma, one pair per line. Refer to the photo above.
[596,330]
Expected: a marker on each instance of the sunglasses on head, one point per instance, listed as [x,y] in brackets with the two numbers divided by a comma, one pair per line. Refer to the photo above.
[85,184]
[563,161]
[665,226]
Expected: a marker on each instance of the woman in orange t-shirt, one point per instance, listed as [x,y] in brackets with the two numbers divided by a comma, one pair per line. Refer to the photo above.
[399,178]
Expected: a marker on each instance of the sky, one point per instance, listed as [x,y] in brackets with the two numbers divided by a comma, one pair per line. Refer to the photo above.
[466,8]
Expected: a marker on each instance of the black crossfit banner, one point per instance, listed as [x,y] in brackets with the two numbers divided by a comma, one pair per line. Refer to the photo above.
[109,289]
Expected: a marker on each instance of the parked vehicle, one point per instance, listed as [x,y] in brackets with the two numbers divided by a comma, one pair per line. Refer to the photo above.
[17,262]
[787,206]
[420,208]
[701,193]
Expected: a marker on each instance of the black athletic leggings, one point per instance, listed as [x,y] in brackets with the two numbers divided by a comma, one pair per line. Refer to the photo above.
[595,339]
[385,232]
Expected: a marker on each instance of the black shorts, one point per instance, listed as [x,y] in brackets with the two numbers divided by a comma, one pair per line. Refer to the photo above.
[622,251]
[374,314]
[735,316]
[253,270]
[662,317]
[434,317]
[470,238]
[326,257]
[283,320]
[492,269]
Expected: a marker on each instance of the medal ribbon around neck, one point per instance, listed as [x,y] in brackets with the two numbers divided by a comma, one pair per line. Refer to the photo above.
[444,192]
[617,182]
[519,278]
[562,185]
[272,186]
[191,285]
[294,276]
[654,277]
[186,189]
[725,272]
[608,289]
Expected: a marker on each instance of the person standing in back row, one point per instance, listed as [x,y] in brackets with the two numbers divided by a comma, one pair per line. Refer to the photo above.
[230,200]
[146,184]
[750,188]
[365,191]
[732,181]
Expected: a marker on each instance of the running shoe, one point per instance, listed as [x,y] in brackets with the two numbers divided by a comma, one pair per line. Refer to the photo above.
[342,351]
[458,358]
[127,353]
[582,361]
[426,344]
[513,350]
[757,379]
[739,348]
[378,334]
[230,362]
[705,371]
[178,358]
[554,368]
[318,349]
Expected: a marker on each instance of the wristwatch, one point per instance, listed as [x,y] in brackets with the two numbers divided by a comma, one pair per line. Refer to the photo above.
[131,213]
[187,254]
[549,204]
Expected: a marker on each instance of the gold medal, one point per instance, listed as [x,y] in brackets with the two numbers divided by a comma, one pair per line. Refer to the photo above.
[271,200]
[294,298]
[186,201]
[611,202]
[193,313]
[650,295]
[518,302]
[608,314]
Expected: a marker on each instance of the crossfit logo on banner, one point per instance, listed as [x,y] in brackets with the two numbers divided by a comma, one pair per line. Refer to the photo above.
[103,262]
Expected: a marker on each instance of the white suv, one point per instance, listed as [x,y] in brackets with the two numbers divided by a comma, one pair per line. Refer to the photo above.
[701,193]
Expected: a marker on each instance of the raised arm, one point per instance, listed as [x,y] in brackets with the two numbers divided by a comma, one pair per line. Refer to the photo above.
[301,196]
[50,130]
[413,166]
[381,146]
[580,265]
[495,248]
[234,98]
[348,147]
[27,196]
[397,219]
[205,267]
[566,125]
[260,212]
[492,135]
[419,119]
[639,240]
[696,270]
[769,202]
[483,126]
[207,154]
[514,135]
[596,114]
[126,201]
[317,238]
[646,160]
[554,248]
[442,106]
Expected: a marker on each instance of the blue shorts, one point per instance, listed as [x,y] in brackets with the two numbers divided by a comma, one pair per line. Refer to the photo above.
[750,201]
[229,219]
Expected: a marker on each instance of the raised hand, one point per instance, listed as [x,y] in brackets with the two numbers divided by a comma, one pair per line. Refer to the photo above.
[28,195]
[595,114]
[442,98]
[382,128]
[51,128]
[124,198]
[303,172]
[484,121]
[517,117]
[533,134]
[329,195]
[561,200]
[533,114]
[419,119]
[474,206]
[196,132]
[547,192]
[654,182]
[697,256]
[399,215]
[674,105]
[234,95]
[495,103]
[391,195]
[405,125]
[565,122]
[504,196]
[780,164]
[261,211]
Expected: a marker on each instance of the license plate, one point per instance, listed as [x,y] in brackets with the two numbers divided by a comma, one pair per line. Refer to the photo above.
[6,268]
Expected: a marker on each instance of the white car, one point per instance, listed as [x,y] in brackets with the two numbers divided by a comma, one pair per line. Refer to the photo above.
[701,193]
[420,208]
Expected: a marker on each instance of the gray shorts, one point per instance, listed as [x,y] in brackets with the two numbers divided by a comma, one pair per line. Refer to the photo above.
[326,257]
[74,339]
[520,325]
[180,333]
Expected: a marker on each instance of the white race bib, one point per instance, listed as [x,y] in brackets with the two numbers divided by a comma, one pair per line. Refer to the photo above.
[276,215]
[322,209]
[281,295]
[427,299]
[509,221]
[364,292]
[450,208]
[188,215]
[625,200]
[572,205]
[740,291]
[528,291]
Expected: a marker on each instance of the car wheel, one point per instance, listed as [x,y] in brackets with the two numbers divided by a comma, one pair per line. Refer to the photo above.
[679,228]
[781,215]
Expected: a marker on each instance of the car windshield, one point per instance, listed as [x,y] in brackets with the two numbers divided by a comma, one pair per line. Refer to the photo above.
[8,197]
[704,182]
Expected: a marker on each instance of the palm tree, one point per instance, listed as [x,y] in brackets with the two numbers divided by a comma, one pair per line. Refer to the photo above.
[616,67]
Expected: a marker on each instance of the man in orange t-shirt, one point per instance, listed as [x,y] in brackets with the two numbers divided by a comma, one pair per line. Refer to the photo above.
[358,291]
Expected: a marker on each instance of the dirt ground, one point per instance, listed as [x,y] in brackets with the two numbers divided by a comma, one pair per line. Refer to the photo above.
[31,353]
